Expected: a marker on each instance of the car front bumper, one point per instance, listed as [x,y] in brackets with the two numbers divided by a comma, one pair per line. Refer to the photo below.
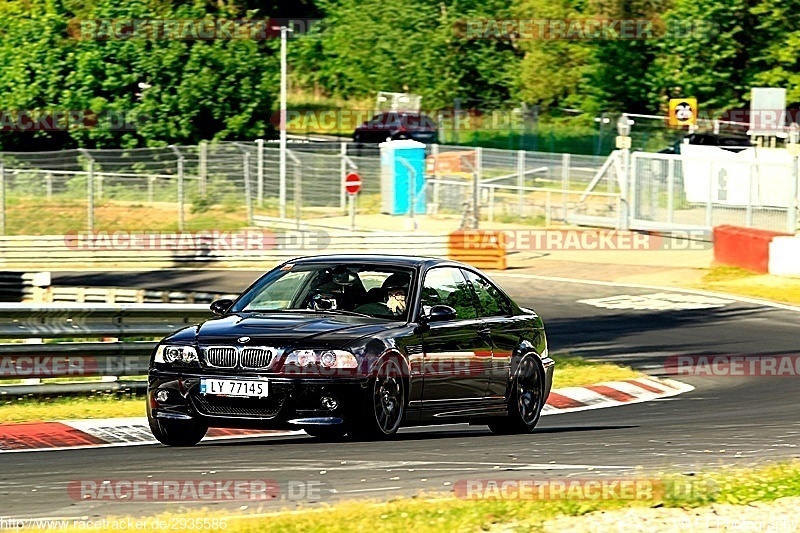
[291,402]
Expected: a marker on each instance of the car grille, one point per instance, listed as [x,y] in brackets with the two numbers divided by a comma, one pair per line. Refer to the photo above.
[221,356]
[256,357]
[240,407]
[249,357]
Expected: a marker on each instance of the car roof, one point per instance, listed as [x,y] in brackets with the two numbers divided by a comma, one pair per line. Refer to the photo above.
[412,261]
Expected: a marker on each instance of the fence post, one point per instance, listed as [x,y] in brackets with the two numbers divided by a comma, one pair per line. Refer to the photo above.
[151,182]
[476,199]
[89,190]
[298,194]
[48,180]
[2,197]
[342,175]
[248,196]
[260,172]
[709,205]
[748,213]
[521,182]
[180,187]
[203,168]
[564,185]
[670,190]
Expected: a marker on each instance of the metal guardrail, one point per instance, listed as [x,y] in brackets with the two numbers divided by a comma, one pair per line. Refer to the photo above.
[109,349]
[62,252]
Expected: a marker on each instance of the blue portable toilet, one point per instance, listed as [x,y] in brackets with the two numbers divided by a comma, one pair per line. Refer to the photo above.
[402,164]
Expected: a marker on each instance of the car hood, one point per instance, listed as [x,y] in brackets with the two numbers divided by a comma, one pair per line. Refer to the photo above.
[290,329]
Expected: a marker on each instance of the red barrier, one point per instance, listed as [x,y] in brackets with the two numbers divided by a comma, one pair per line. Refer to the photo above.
[744,247]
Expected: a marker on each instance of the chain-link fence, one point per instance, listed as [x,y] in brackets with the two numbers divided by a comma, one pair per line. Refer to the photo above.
[625,190]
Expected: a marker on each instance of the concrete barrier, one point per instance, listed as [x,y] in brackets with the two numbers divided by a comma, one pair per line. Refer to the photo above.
[784,256]
[744,247]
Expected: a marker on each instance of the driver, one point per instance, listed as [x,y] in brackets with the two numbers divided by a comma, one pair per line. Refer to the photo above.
[395,289]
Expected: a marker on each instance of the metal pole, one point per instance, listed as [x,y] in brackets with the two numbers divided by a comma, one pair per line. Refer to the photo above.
[181,220]
[203,170]
[521,182]
[298,194]
[342,174]
[476,199]
[89,190]
[248,195]
[748,213]
[791,219]
[90,196]
[564,185]
[456,119]
[670,190]
[2,198]
[794,152]
[709,205]
[260,171]
[352,206]
[282,157]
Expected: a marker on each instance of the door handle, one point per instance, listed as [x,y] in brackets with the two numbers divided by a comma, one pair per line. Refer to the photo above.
[484,332]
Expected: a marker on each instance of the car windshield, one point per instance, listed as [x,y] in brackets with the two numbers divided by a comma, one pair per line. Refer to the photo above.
[371,290]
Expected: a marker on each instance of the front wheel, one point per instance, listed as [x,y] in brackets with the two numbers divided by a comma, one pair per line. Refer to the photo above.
[177,432]
[525,401]
[385,404]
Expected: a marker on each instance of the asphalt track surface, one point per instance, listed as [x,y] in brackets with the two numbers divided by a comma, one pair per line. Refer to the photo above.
[725,421]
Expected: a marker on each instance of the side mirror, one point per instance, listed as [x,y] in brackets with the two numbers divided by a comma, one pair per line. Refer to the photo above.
[220,307]
[440,313]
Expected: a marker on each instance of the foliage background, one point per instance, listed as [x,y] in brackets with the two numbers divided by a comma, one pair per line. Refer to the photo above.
[714,50]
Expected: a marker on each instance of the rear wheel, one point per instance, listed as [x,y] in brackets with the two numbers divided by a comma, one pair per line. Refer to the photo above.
[526,400]
[177,432]
[385,404]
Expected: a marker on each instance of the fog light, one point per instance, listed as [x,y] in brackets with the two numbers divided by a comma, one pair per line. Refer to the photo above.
[329,402]
[162,396]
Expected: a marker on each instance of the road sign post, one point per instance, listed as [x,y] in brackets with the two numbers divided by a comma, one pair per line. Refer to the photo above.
[352,184]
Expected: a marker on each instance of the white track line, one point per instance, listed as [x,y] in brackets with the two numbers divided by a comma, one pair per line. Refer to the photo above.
[734,297]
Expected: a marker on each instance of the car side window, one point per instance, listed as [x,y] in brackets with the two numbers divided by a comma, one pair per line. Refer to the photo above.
[491,301]
[447,286]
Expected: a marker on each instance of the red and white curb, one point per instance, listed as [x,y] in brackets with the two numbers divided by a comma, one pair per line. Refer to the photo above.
[115,432]
[100,433]
[612,394]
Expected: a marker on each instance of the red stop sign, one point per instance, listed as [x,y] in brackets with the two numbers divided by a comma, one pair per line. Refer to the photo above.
[352,183]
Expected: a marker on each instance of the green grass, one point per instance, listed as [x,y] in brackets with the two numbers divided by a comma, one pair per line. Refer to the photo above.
[29,409]
[735,280]
[443,512]
[572,371]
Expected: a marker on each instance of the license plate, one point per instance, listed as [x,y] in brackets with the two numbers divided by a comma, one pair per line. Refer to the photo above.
[234,387]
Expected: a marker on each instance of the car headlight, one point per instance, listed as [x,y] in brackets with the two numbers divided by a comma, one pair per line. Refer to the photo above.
[323,358]
[169,353]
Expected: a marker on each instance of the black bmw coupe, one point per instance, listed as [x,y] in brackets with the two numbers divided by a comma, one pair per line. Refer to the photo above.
[355,345]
